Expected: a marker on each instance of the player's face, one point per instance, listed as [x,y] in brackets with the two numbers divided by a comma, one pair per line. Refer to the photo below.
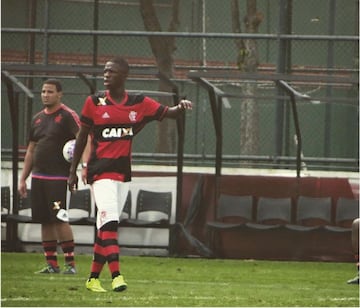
[114,75]
[50,96]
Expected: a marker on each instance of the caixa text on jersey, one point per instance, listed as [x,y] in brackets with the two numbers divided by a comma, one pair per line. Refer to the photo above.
[116,132]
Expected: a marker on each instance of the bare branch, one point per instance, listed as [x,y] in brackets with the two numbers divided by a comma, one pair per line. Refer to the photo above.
[174,22]
[235,21]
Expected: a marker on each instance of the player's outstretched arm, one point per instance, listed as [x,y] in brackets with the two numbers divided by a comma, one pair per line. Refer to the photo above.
[175,111]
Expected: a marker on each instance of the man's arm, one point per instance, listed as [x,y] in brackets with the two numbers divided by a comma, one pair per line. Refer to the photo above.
[81,142]
[85,158]
[27,168]
[175,111]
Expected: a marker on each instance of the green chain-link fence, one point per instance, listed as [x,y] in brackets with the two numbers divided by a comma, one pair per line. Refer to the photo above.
[322,39]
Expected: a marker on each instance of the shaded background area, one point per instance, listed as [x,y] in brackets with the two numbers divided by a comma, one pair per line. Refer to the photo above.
[325,41]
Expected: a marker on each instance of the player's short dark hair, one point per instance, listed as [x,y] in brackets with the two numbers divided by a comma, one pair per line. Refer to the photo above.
[54,82]
[122,62]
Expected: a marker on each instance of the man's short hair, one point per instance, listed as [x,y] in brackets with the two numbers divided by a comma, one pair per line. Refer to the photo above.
[121,62]
[54,82]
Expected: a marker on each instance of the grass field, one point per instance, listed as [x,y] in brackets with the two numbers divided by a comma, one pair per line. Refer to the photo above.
[160,281]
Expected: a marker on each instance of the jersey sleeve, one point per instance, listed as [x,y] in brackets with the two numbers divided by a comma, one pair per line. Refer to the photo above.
[86,117]
[31,134]
[154,110]
[73,122]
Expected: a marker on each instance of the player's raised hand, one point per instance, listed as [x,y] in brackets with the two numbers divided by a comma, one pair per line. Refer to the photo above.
[185,104]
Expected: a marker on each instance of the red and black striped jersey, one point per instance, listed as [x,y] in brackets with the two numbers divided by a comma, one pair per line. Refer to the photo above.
[113,126]
[50,131]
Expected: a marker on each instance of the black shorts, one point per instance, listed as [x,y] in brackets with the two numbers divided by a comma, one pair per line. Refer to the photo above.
[47,197]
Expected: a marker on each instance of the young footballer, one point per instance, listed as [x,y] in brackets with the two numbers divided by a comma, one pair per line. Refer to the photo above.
[112,118]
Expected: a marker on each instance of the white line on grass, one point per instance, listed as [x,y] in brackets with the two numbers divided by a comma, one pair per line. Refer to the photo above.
[181,282]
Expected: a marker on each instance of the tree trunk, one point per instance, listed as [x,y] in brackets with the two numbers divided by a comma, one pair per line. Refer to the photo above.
[162,48]
[247,62]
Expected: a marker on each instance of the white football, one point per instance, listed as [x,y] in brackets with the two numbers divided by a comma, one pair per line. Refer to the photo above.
[68,150]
